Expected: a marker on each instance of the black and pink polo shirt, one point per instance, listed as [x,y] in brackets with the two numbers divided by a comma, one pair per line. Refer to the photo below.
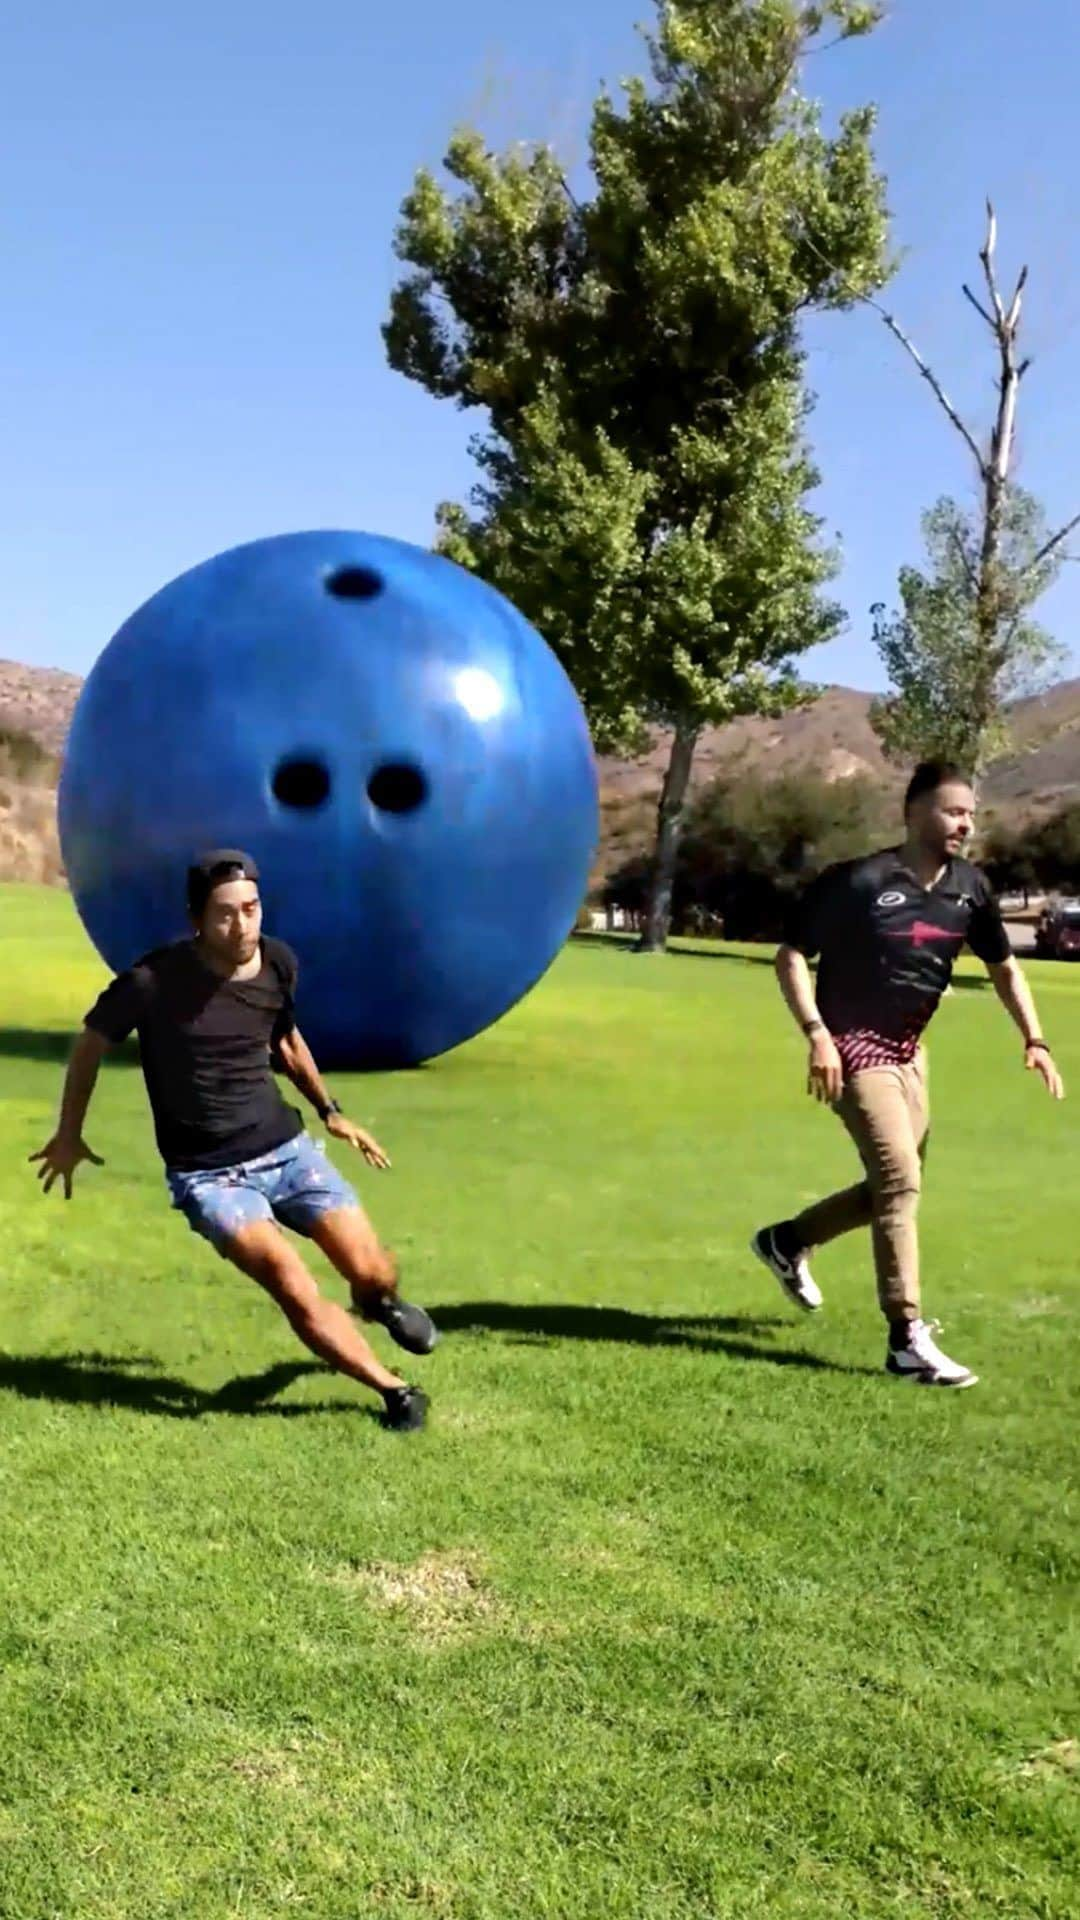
[886,947]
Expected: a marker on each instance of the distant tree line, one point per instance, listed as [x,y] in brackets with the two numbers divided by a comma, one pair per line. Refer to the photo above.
[750,842]
[1041,855]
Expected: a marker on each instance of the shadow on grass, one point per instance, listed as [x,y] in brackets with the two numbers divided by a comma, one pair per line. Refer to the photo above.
[702,1333]
[134,1383]
[628,943]
[54,1049]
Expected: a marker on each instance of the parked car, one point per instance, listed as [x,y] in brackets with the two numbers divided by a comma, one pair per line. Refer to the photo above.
[1057,934]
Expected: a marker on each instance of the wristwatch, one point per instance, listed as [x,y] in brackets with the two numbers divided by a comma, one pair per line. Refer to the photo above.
[325,1112]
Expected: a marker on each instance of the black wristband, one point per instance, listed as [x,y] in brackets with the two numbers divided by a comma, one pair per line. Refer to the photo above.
[1036,1046]
[810,1027]
[325,1112]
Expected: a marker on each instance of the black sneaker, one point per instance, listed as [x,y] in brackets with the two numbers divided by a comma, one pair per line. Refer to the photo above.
[405,1410]
[409,1326]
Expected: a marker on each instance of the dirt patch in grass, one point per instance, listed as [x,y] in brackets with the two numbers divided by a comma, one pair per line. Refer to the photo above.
[1060,1760]
[267,1767]
[1037,1306]
[443,1595]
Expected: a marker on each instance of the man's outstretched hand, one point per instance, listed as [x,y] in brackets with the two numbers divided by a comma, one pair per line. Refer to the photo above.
[345,1129]
[59,1161]
[1038,1060]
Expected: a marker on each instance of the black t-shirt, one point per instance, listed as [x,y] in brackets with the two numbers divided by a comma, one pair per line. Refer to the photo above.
[206,1049]
[887,944]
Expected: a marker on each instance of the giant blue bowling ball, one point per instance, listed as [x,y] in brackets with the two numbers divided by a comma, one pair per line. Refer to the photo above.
[397,748]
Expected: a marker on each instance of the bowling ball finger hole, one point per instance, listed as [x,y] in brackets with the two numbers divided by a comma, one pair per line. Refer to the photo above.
[397,788]
[302,784]
[354,583]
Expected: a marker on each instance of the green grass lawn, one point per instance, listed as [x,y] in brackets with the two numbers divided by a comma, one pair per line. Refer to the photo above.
[679,1609]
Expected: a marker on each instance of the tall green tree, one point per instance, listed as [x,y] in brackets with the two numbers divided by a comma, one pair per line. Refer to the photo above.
[643,481]
[951,687]
[964,645]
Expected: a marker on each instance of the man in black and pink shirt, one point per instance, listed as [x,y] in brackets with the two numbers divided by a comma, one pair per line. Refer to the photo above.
[886,931]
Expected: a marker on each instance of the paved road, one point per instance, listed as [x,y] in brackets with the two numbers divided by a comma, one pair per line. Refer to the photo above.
[1022,935]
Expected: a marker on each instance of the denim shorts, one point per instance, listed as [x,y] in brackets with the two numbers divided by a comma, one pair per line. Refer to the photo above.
[294,1184]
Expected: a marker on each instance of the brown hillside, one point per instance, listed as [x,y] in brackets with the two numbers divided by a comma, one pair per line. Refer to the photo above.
[1043,770]
[833,733]
[39,701]
[36,705]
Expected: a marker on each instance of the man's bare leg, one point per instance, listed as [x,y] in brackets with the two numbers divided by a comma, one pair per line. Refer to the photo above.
[261,1251]
[350,1243]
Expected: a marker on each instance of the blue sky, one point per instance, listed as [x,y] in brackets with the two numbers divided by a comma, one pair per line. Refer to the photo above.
[197,205]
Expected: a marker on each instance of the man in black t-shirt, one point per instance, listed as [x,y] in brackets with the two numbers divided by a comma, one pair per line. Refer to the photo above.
[886,932]
[214,1014]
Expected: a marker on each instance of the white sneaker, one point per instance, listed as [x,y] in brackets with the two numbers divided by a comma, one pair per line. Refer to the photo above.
[923,1361]
[794,1275]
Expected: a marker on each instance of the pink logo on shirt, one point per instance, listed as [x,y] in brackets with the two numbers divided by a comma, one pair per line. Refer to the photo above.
[921,933]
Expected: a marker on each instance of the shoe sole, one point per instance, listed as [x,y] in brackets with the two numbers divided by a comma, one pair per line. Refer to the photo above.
[411,1346]
[796,1299]
[360,1312]
[414,1425]
[929,1379]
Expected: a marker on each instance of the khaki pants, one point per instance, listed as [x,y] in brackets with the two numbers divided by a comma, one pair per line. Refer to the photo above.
[886,1111]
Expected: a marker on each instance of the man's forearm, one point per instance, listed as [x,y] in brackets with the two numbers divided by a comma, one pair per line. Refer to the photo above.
[80,1081]
[299,1063]
[1011,987]
[797,987]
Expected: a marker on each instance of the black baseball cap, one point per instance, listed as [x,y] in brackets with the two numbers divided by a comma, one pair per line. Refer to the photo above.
[213,869]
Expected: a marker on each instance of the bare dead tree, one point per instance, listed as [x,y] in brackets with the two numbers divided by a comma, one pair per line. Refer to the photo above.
[995,589]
